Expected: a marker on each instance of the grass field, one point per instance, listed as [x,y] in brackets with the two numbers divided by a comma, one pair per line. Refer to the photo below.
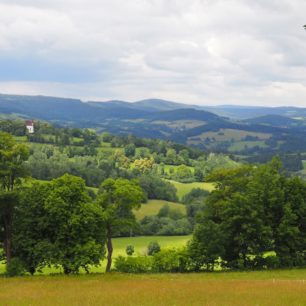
[183,189]
[140,243]
[152,207]
[241,145]
[228,134]
[286,287]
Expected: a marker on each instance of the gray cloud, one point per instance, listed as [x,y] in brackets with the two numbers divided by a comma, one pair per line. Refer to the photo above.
[196,51]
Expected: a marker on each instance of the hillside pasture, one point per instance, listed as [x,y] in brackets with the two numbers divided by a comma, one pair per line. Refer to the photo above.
[152,207]
[181,124]
[184,188]
[242,145]
[286,287]
[227,135]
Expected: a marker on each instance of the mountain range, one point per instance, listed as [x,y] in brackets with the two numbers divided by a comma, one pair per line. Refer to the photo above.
[236,129]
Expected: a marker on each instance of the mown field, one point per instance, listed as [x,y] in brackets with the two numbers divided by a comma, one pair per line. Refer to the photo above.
[286,287]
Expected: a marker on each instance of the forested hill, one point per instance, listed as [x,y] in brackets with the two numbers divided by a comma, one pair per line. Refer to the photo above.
[269,131]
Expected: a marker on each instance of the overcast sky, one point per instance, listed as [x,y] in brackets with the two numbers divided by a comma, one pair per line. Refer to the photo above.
[193,51]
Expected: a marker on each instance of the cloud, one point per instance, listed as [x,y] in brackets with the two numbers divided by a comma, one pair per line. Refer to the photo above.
[200,51]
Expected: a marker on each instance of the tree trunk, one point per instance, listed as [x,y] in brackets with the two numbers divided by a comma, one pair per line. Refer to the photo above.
[8,237]
[109,248]
[67,270]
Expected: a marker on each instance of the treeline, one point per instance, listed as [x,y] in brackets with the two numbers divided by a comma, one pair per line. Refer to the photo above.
[255,219]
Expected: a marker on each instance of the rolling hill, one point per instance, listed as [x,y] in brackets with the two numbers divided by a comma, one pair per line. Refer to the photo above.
[217,129]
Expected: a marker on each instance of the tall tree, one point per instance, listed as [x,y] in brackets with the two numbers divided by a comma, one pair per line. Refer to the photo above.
[57,223]
[12,170]
[118,198]
[76,224]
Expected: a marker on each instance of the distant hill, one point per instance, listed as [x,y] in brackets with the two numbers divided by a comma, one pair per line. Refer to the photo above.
[247,112]
[184,114]
[242,130]
[275,120]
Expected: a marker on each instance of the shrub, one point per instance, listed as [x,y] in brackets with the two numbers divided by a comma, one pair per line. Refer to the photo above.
[15,267]
[130,250]
[156,188]
[170,261]
[272,262]
[153,248]
[140,264]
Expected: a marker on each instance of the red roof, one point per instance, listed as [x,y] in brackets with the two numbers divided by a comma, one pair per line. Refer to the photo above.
[29,123]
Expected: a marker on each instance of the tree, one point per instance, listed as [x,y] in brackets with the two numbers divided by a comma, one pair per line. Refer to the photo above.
[57,223]
[77,225]
[144,165]
[183,173]
[130,250]
[130,150]
[118,198]
[207,245]
[31,228]
[12,170]
[156,188]
[257,209]
[153,248]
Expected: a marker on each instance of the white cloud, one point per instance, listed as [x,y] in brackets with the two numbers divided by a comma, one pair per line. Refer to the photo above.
[196,51]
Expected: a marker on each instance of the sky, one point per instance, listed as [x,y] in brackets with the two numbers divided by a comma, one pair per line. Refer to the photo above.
[206,52]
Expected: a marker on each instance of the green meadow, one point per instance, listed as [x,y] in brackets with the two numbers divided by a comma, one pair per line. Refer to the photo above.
[184,188]
[152,207]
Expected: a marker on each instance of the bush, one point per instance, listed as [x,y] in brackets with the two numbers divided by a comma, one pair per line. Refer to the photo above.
[153,248]
[156,188]
[170,261]
[140,264]
[272,262]
[194,195]
[153,225]
[130,250]
[15,267]
[164,261]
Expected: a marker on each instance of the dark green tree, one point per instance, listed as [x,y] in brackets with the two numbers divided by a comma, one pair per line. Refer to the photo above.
[129,150]
[207,245]
[12,170]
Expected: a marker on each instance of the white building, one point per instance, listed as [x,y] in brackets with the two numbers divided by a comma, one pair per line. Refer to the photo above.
[30,126]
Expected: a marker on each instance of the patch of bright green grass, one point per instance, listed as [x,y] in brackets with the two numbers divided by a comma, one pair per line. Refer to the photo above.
[152,207]
[183,189]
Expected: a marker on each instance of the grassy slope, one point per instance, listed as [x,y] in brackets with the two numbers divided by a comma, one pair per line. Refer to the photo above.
[286,287]
[183,189]
[153,206]
[241,145]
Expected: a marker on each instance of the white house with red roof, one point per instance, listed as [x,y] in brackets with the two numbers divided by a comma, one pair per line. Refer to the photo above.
[30,126]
